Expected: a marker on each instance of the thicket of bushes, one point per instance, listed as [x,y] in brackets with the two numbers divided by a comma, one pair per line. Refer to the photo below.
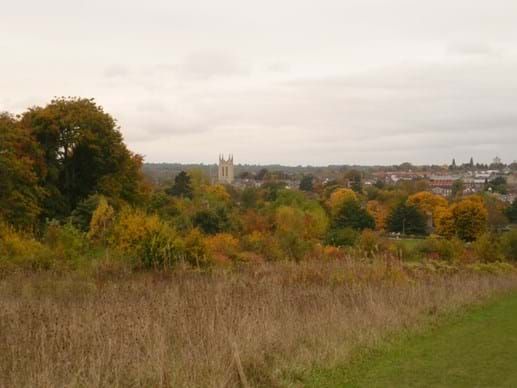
[133,239]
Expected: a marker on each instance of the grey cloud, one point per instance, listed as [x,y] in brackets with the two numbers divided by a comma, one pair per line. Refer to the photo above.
[474,49]
[115,71]
[204,65]
[278,67]
[360,81]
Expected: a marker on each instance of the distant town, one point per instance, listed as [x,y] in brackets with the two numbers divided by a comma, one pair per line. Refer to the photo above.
[447,180]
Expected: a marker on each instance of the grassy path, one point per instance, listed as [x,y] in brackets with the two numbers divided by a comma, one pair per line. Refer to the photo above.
[478,349]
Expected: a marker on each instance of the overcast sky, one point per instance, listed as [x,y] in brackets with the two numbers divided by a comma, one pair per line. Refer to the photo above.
[277,81]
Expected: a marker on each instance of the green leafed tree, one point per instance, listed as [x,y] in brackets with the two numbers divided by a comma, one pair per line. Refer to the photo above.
[84,153]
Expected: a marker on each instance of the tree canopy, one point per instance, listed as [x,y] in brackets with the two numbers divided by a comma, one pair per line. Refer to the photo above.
[56,156]
[406,218]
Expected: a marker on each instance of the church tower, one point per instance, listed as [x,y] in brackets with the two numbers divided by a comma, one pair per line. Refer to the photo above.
[225,172]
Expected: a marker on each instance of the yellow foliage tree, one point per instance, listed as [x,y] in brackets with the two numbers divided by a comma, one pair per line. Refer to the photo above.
[290,223]
[444,222]
[432,205]
[379,212]
[339,197]
[427,201]
[470,218]
[101,220]
[218,193]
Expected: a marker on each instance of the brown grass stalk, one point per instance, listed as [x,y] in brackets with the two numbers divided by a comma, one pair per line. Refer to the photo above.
[256,326]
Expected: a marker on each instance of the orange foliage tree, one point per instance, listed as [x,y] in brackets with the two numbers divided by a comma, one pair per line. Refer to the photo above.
[379,212]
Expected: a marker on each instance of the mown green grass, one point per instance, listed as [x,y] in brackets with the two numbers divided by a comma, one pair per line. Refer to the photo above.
[476,349]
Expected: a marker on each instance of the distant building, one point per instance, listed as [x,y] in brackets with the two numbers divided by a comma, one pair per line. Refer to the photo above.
[442,184]
[226,172]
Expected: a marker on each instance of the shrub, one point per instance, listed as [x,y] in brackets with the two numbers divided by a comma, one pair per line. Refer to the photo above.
[342,237]
[222,247]
[195,249]
[22,250]
[263,244]
[400,250]
[161,247]
[487,248]
[442,249]
[147,239]
[66,241]
[369,242]
[509,245]
[101,220]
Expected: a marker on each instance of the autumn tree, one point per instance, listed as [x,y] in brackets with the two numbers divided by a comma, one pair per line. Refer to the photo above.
[338,198]
[84,153]
[470,218]
[444,222]
[20,192]
[101,220]
[428,203]
[379,212]
[290,229]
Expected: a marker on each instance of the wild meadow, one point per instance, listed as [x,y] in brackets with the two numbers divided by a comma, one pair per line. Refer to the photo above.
[262,325]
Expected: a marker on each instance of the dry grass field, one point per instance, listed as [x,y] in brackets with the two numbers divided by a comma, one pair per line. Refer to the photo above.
[254,326]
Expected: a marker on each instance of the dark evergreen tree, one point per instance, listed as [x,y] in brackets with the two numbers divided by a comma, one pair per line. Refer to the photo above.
[511,211]
[497,185]
[182,186]
[212,221]
[306,184]
[352,215]
[407,219]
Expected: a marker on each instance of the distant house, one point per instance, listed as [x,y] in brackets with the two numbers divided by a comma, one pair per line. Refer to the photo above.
[442,184]
[396,176]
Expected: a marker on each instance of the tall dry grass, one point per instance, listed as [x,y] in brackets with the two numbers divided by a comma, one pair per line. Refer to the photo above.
[257,326]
